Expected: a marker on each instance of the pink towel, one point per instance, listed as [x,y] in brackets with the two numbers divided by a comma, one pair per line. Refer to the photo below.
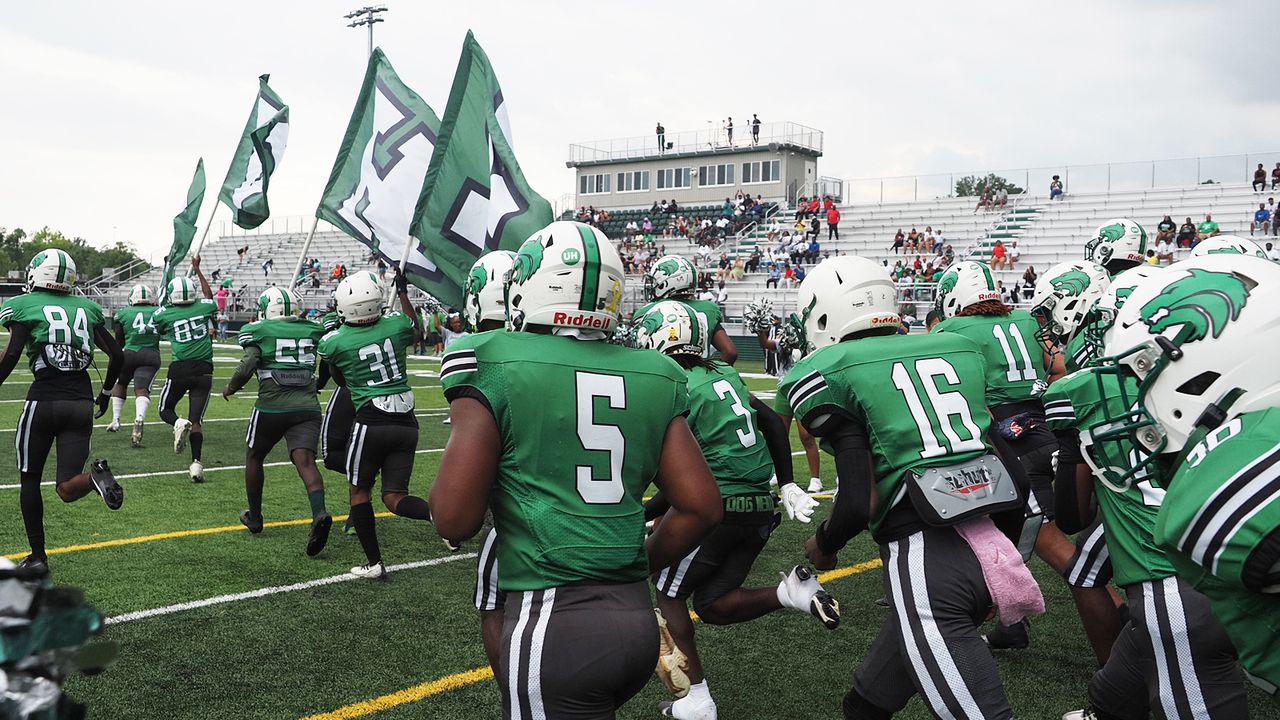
[1013,590]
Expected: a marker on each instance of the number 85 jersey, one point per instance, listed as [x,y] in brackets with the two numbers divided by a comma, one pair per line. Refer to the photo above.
[186,327]
[921,398]
[582,425]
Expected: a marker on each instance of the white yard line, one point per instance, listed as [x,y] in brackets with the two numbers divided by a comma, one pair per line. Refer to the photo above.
[276,590]
[125,424]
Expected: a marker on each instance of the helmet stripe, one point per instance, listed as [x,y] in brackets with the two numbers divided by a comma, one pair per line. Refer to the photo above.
[695,338]
[62,267]
[590,269]
[991,283]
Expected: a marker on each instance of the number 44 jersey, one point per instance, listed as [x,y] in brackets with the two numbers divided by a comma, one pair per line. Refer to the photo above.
[921,398]
[582,425]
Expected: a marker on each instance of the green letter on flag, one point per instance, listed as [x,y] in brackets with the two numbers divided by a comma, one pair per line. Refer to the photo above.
[259,152]
[184,227]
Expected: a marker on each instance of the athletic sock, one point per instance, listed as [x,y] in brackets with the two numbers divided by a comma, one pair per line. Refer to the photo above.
[412,506]
[362,519]
[255,502]
[197,444]
[33,514]
[140,405]
[117,408]
[316,498]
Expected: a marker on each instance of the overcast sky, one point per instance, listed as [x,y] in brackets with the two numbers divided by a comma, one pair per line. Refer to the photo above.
[108,105]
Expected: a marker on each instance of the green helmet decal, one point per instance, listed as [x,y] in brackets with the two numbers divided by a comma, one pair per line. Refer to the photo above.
[1225,251]
[670,267]
[1201,304]
[476,280]
[1122,294]
[948,282]
[587,300]
[652,321]
[1072,282]
[1112,232]
[263,302]
[528,260]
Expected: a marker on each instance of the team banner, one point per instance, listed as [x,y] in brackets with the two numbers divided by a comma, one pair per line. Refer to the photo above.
[381,167]
[260,150]
[475,198]
[184,226]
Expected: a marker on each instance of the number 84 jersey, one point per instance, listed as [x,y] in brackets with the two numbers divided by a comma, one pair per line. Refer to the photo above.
[60,346]
[921,398]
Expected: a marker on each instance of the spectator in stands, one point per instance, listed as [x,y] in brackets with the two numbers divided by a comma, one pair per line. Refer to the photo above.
[241,252]
[1001,198]
[221,298]
[1260,179]
[813,253]
[1187,234]
[802,207]
[1029,278]
[629,231]
[814,205]
[1151,258]
[798,274]
[1166,230]
[1164,251]
[1275,176]
[1273,253]
[927,241]
[999,256]
[722,298]
[739,269]
[775,275]
[755,129]
[912,243]
[662,137]
[267,265]
[984,200]
[1207,229]
[1261,218]
[1055,188]
[833,223]
[382,269]
[789,275]
[898,241]
[815,227]
[646,226]
[1014,253]
[728,129]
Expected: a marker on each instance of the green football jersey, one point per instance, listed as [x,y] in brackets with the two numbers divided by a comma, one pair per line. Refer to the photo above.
[371,357]
[582,426]
[725,425]
[284,360]
[330,321]
[1223,502]
[186,327]
[139,333]
[1015,359]
[922,399]
[1077,353]
[1076,402]
[60,345]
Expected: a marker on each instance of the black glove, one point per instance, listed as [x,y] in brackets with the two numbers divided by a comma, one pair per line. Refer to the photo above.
[104,398]
[402,282]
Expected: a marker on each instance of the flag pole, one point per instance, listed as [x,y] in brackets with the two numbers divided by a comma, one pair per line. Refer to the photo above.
[207,226]
[306,245]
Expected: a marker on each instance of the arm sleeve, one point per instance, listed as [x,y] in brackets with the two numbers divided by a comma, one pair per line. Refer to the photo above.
[1071,518]
[18,334]
[246,369]
[776,438]
[115,357]
[852,510]
[656,506]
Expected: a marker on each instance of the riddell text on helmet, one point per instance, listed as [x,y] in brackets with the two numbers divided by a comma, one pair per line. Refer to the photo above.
[565,319]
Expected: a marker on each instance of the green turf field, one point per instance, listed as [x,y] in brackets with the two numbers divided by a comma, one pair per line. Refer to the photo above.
[215,623]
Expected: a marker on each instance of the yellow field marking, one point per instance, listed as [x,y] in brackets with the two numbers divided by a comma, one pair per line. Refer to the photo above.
[449,683]
[176,534]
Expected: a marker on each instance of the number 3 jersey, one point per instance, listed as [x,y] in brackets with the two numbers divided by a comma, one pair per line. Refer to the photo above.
[282,353]
[371,357]
[921,398]
[186,327]
[581,425]
[60,344]
[727,429]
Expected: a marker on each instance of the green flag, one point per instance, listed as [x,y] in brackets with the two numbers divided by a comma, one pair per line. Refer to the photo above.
[184,227]
[381,166]
[259,152]
[475,198]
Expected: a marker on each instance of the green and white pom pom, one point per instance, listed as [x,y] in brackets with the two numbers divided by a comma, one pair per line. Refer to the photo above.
[758,315]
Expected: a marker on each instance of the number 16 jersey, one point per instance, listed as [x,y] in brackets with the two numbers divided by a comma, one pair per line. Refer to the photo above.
[582,425]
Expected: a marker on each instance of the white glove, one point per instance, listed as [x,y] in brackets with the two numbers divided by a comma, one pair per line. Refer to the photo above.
[797,503]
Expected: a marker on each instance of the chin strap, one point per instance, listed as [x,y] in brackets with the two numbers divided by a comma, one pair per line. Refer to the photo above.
[1211,419]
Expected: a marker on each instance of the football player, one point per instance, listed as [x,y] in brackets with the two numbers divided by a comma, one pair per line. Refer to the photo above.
[1117,245]
[906,417]
[1207,415]
[745,444]
[1229,244]
[339,413]
[280,350]
[554,400]
[367,354]
[1173,656]
[141,343]
[185,320]
[673,277]
[58,331]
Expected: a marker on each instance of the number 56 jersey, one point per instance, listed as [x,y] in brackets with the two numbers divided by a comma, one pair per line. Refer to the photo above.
[921,398]
[582,425]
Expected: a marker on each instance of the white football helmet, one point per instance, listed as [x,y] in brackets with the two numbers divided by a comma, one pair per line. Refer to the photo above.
[276,303]
[182,291]
[670,328]
[1104,313]
[844,295]
[965,284]
[1233,244]
[1117,245]
[360,297]
[141,295]
[1065,294]
[671,276]
[1193,335]
[565,275]
[484,290]
[51,269]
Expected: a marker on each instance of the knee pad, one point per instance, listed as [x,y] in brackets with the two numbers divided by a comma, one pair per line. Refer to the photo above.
[856,707]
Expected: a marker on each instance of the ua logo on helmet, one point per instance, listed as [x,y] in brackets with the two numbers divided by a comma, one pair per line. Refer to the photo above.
[528,260]
[1201,304]
[1072,282]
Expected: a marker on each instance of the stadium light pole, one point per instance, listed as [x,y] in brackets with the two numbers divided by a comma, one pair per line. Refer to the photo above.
[366,16]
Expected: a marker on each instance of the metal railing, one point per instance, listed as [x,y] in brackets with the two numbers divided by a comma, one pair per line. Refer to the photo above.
[1002,216]
[712,139]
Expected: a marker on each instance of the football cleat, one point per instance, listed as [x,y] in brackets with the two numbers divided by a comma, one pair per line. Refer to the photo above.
[319,535]
[33,566]
[1008,637]
[451,546]
[247,520]
[114,425]
[672,662]
[197,471]
[815,485]
[181,429]
[136,438]
[105,483]
[800,590]
[1085,714]
[376,571]
[447,421]
[348,528]
[689,708]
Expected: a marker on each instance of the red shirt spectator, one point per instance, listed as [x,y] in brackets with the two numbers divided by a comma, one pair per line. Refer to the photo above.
[833,216]
[814,204]
[827,204]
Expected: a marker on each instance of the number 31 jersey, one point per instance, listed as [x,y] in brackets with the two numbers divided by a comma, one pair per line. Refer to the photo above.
[921,398]
[186,327]
[371,357]
[60,344]
[582,425]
